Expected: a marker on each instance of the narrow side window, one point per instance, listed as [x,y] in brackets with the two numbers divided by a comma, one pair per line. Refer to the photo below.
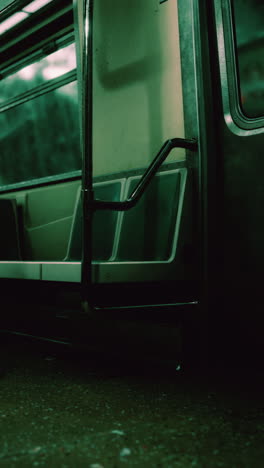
[248,21]
[38,72]
[40,137]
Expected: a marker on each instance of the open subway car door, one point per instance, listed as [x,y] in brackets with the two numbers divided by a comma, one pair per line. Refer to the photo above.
[122,233]
[138,225]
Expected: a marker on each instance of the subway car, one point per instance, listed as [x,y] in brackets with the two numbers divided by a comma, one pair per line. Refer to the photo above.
[131,185]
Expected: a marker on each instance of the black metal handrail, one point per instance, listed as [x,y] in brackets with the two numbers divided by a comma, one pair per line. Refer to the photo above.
[90,205]
[136,194]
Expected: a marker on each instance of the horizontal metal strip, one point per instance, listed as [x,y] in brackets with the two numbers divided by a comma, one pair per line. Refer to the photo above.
[40,51]
[51,85]
[103,272]
[26,46]
[34,24]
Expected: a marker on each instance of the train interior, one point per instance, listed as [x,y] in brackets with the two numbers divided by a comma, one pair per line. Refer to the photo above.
[41,200]
[41,236]
[152,71]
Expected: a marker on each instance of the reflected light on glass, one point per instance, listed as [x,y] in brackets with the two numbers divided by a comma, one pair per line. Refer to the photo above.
[52,71]
[36,5]
[60,62]
[65,57]
[70,90]
[27,73]
[12,21]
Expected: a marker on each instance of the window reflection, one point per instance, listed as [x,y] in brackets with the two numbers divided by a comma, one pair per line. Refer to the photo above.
[249,19]
[16,18]
[12,21]
[36,5]
[40,138]
[52,66]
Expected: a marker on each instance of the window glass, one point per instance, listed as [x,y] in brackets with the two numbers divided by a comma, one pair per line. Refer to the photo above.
[249,32]
[52,66]
[12,21]
[20,15]
[35,5]
[40,137]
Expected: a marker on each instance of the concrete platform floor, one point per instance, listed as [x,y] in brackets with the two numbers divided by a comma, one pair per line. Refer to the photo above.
[59,409]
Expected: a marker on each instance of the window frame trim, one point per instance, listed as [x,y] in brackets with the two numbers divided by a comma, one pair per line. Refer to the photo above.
[41,182]
[38,54]
[34,93]
[234,115]
[39,90]
[32,54]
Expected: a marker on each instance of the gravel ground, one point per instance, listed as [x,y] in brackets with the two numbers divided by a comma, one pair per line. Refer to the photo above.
[58,410]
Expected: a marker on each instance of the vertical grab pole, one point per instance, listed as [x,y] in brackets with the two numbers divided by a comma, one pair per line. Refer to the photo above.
[87,155]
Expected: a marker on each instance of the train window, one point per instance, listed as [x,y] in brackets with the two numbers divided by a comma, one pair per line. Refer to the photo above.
[23,10]
[12,21]
[40,137]
[35,5]
[51,66]
[248,17]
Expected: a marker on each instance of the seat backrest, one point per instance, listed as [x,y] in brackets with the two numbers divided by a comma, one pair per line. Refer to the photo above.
[9,233]
[148,229]
[104,225]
